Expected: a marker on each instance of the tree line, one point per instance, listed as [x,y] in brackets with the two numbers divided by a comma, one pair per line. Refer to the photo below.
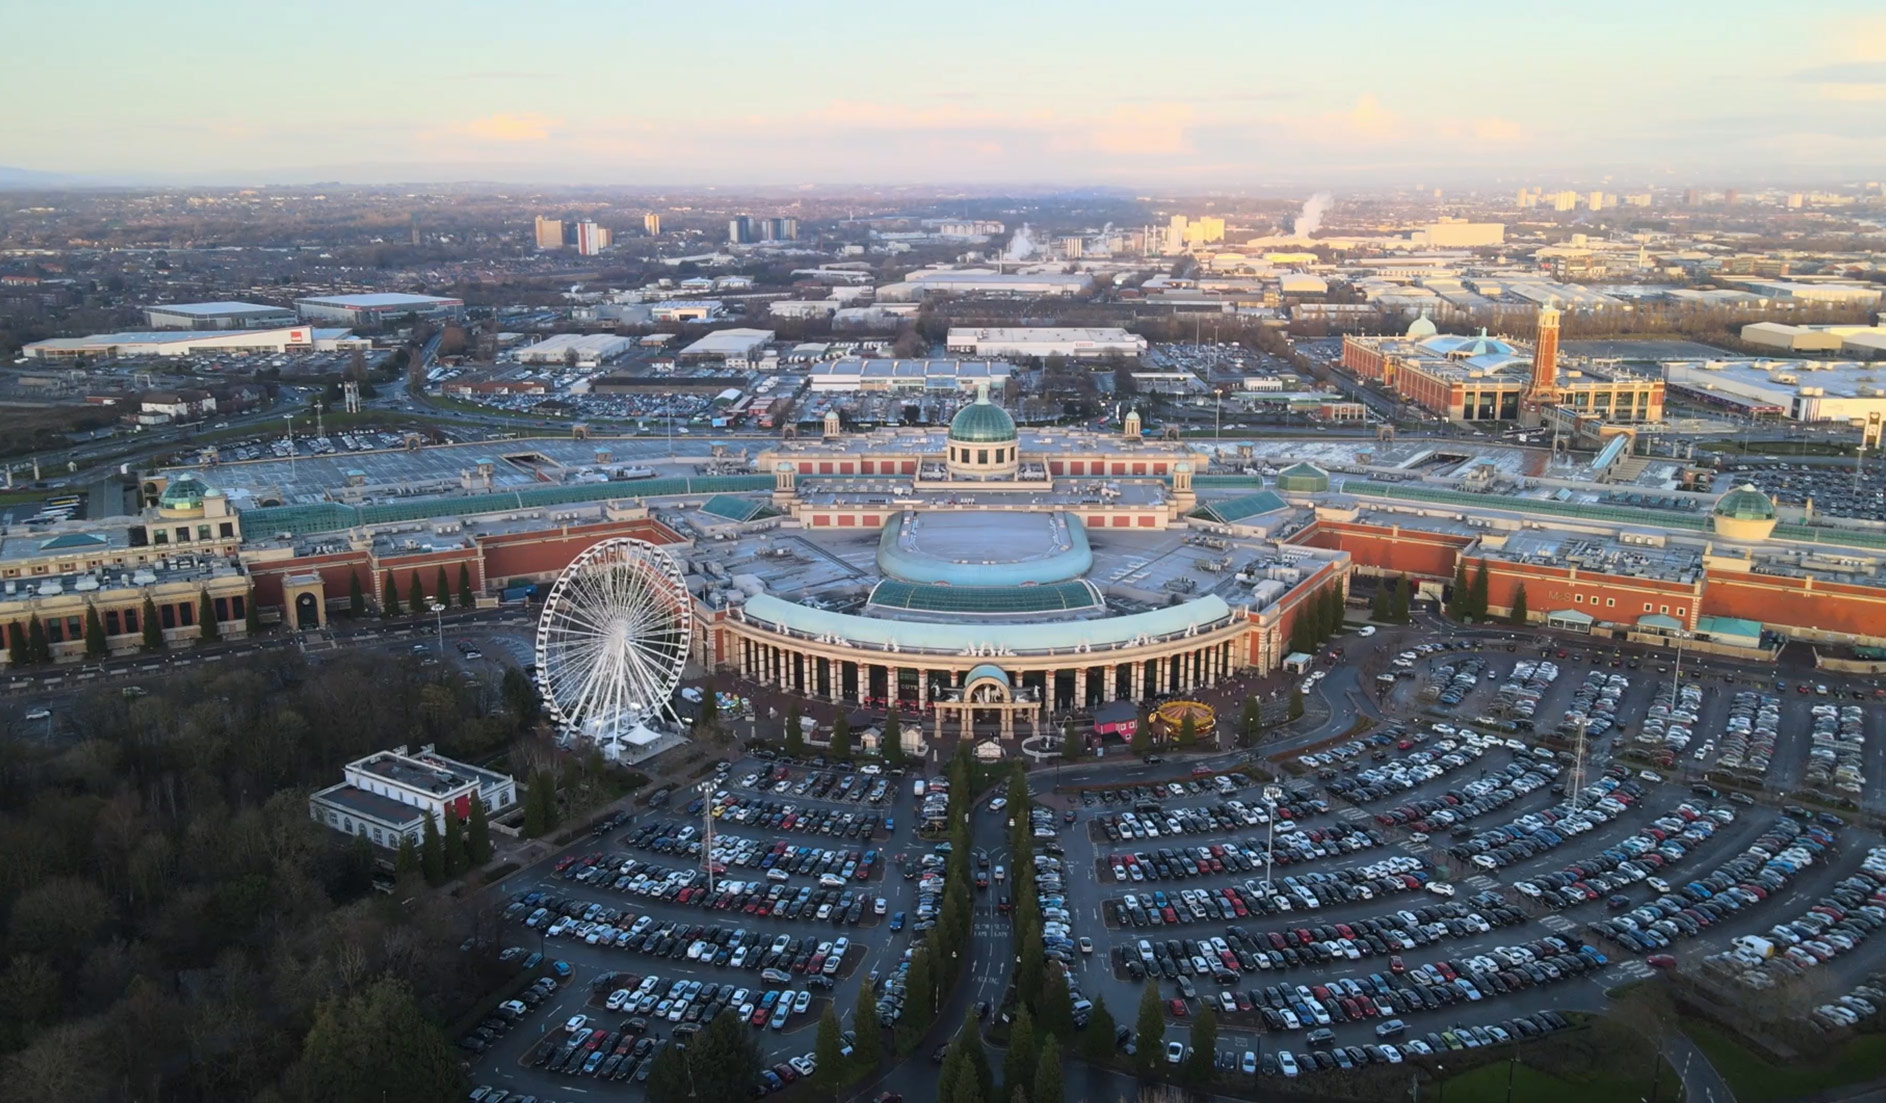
[178,927]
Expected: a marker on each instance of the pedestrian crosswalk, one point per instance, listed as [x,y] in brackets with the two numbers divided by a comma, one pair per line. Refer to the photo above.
[1557,923]
[1353,814]
[1633,969]
[1482,881]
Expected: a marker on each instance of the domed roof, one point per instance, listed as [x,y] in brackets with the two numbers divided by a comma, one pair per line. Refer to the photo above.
[186,492]
[982,422]
[1746,503]
[1421,327]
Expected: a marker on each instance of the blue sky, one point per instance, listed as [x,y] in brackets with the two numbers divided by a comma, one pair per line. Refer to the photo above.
[1232,94]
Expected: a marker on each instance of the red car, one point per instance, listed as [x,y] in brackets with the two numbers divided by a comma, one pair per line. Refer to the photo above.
[1660,961]
[1397,965]
[1178,1008]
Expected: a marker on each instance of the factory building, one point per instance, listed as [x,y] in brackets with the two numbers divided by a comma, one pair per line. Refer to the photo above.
[1046,341]
[222,315]
[376,308]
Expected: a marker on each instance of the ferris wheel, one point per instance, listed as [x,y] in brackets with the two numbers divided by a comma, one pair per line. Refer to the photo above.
[613,638]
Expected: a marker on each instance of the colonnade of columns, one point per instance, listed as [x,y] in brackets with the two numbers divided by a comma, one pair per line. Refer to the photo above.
[1094,681]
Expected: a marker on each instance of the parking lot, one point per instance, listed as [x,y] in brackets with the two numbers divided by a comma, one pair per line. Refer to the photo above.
[811,881]
[1441,883]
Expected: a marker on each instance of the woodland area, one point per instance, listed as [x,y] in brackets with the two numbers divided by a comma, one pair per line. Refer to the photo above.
[177,928]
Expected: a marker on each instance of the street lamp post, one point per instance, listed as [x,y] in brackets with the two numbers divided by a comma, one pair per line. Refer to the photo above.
[1272,794]
[706,789]
[438,611]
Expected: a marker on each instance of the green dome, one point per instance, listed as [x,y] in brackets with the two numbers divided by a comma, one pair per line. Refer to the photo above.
[1745,503]
[982,422]
[184,493]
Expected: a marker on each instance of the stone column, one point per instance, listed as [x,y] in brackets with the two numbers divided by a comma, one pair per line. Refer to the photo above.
[891,676]
[1139,680]
[1080,687]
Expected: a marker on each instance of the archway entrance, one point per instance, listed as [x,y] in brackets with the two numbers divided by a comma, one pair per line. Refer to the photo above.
[304,601]
[988,689]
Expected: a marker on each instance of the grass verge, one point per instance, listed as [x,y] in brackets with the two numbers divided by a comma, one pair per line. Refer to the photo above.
[1755,1080]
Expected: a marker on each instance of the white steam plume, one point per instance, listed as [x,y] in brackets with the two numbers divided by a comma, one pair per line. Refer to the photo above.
[1311,220]
[1022,245]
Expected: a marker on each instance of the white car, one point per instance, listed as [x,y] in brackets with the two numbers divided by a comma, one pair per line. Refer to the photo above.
[1366,630]
[1175,1052]
[576,1023]
[1286,1063]
[1440,888]
[39,714]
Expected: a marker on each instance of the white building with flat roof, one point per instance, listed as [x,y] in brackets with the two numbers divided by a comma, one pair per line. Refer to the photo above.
[590,349]
[376,308]
[981,281]
[388,795]
[1045,341]
[170,342]
[729,344]
[875,374]
[220,315]
[1842,294]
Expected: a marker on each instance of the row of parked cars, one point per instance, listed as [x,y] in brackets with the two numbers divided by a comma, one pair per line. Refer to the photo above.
[1151,820]
[1449,684]
[1859,1007]
[1835,924]
[1470,800]
[1293,893]
[1517,699]
[597,1051]
[1517,1029]
[855,788]
[1595,704]
[1428,987]
[693,1001]
[1415,768]
[1291,847]
[1238,952]
[830,900]
[1665,841]
[1222,784]
[1760,871]
[1749,733]
[507,1015]
[1537,832]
